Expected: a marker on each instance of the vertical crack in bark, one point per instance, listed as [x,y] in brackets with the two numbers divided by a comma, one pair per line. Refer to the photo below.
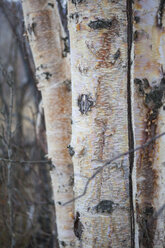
[160,13]
[130,127]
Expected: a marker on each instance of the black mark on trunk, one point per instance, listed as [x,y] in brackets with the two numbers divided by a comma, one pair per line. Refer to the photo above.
[66,49]
[105,206]
[135,35]
[116,55]
[137,19]
[71,181]
[63,244]
[142,85]
[51,5]
[31,28]
[75,17]
[153,97]
[47,75]
[78,226]
[71,150]
[77,1]
[102,24]
[85,103]
[68,84]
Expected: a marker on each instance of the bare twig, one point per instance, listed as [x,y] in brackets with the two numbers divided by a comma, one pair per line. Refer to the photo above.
[9,165]
[109,162]
[25,162]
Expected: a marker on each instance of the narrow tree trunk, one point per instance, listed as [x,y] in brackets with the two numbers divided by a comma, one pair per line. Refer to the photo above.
[149,120]
[98,34]
[52,69]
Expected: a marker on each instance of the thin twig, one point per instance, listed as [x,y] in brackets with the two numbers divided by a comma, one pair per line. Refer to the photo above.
[9,165]
[25,162]
[109,162]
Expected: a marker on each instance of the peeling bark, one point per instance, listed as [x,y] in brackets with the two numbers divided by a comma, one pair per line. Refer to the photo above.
[148,87]
[47,40]
[98,32]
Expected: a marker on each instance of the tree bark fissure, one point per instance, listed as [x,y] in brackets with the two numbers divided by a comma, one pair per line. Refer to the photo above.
[130,124]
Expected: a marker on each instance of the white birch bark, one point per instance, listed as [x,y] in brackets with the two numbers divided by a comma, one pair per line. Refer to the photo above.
[46,35]
[149,119]
[98,34]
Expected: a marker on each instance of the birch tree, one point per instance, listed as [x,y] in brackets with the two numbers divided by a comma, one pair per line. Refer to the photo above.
[148,86]
[98,36]
[47,40]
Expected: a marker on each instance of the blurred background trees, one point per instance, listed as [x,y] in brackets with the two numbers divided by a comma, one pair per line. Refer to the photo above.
[26,204]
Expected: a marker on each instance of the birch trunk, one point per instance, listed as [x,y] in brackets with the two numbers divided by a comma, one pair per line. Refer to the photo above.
[52,69]
[98,34]
[149,119]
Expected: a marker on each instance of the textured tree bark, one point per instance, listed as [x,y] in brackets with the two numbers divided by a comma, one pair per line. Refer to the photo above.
[98,34]
[47,41]
[148,80]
